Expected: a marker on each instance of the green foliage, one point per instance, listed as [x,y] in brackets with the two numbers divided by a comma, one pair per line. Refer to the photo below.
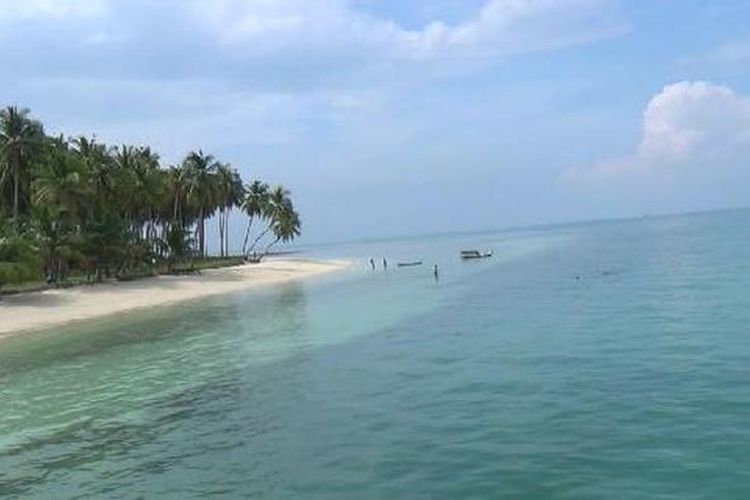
[284,220]
[21,140]
[78,207]
[18,258]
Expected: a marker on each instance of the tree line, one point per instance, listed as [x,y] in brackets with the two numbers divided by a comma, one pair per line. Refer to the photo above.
[76,205]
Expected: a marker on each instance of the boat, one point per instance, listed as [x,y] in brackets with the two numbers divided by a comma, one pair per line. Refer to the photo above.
[475,254]
[410,264]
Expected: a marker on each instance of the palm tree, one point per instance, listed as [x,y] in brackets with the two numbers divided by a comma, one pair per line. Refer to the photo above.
[99,164]
[20,139]
[60,199]
[177,186]
[255,204]
[148,190]
[230,193]
[286,226]
[123,159]
[179,243]
[278,201]
[201,174]
[139,189]
[60,181]
[80,205]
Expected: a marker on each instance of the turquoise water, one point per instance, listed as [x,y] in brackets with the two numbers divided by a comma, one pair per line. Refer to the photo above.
[607,360]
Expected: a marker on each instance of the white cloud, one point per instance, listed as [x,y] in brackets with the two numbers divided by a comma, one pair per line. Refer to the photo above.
[287,45]
[21,10]
[519,25]
[500,27]
[141,59]
[686,125]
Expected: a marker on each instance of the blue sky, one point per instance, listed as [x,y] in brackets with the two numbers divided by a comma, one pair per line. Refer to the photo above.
[387,117]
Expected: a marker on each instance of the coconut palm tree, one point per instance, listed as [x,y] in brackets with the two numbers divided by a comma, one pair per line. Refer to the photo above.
[20,140]
[230,193]
[123,178]
[61,198]
[177,182]
[255,204]
[279,200]
[139,189]
[99,164]
[148,191]
[61,181]
[79,205]
[201,174]
[286,227]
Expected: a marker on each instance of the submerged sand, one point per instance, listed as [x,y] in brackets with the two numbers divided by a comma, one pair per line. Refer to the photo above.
[50,308]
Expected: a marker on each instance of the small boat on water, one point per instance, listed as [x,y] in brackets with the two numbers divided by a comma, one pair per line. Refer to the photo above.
[474,254]
[410,264]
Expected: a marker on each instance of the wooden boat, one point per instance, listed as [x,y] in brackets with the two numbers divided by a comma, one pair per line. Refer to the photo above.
[410,264]
[475,254]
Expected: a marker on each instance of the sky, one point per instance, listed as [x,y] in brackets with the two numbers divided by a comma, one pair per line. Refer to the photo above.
[394,117]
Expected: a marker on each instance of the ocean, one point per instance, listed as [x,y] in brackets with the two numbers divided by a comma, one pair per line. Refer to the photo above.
[599,360]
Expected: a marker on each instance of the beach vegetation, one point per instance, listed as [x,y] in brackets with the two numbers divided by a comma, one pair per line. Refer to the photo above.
[78,209]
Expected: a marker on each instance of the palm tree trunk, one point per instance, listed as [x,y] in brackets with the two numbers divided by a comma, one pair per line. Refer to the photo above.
[247,236]
[270,245]
[15,194]
[261,235]
[226,234]
[221,232]
[201,233]
[2,186]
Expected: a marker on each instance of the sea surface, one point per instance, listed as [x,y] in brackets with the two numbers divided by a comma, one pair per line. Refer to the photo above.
[601,360]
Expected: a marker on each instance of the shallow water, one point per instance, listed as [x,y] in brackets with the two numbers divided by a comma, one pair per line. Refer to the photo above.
[605,360]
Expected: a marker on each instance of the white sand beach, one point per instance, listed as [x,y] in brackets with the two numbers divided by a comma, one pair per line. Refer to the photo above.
[50,308]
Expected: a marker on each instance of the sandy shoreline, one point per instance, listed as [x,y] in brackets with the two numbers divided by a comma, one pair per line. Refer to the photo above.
[50,308]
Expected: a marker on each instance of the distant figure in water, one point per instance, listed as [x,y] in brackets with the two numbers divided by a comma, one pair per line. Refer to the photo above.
[435,272]
[372,264]
[385,263]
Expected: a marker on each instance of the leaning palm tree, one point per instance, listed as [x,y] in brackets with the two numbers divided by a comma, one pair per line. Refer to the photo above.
[21,139]
[278,200]
[255,204]
[286,227]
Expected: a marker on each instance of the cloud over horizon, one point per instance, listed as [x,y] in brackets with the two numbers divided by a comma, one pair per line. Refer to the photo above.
[687,124]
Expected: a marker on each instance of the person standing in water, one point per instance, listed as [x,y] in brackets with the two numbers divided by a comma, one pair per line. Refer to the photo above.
[435,272]
[372,264]
[385,263]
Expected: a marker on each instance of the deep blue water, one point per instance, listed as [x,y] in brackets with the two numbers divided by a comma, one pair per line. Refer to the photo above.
[603,360]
